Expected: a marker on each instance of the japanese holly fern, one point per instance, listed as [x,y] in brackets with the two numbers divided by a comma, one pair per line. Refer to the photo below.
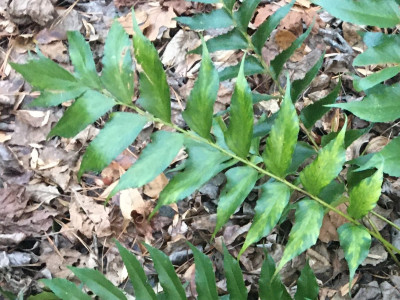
[212,145]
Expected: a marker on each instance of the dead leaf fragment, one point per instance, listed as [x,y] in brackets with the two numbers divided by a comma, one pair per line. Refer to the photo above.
[154,188]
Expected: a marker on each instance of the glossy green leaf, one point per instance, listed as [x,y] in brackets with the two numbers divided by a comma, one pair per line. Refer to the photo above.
[271,288]
[365,195]
[389,156]
[279,60]
[265,29]
[229,4]
[205,277]
[138,278]
[65,290]
[117,74]
[312,113]
[302,151]
[381,105]
[232,40]
[244,13]
[153,160]
[282,138]
[240,182]
[98,283]
[240,129]
[218,18]
[109,143]
[351,136]
[234,278]
[166,274]
[305,231]
[54,98]
[299,85]
[251,66]
[212,162]
[307,286]
[270,205]
[200,104]
[326,166]
[82,60]
[354,176]
[83,112]
[374,79]
[380,13]
[153,86]
[355,242]
[42,296]
[332,192]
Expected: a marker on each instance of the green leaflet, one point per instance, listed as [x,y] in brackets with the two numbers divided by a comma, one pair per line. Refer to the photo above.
[84,111]
[98,283]
[153,86]
[117,74]
[240,130]
[232,40]
[298,86]
[381,105]
[240,182]
[374,79]
[109,143]
[205,277]
[351,136]
[228,4]
[244,13]
[42,296]
[271,288]
[251,66]
[307,286]
[279,60]
[138,278]
[312,113]
[282,138]
[153,160]
[218,18]
[82,60]
[212,162]
[65,290]
[355,242]
[264,31]
[54,98]
[332,192]
[200,104]
[381,13]
[166,275]
[302,151]
[326,166]
[234,278]
[274,198]
[305,231]
[389,156]
[365,195]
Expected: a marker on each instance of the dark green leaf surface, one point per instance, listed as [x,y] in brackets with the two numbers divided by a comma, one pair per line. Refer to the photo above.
[305,231]
[54,98]
[355,242]
[251,66]
[374,79]
[274,198]
[326,166]
[229,4]
[117,74]
[205,277]
[279,60]
[382,50]
[233,40]
[332,192]
[264,31]
[153,86]
[244,13]
[307,286]
[240,130]
[264,125]
[312,113]
[282,138]
[98,283]
[82,60]
[138,278]
[380,13]
[166,274]
[365,195]
[218,18]
[351,136]
[200,104]
[381,105]
[234,278]
[240,182]
[41,296]
[302,151]
[84,111]
[65,290]
[271,288]
[153,160]
[118,133]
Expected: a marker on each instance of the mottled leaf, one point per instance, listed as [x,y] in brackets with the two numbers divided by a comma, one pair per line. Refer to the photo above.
[218,18]
[234,278]
[65,290]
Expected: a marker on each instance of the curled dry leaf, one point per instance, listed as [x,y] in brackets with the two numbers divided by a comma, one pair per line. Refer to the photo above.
[331,223]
